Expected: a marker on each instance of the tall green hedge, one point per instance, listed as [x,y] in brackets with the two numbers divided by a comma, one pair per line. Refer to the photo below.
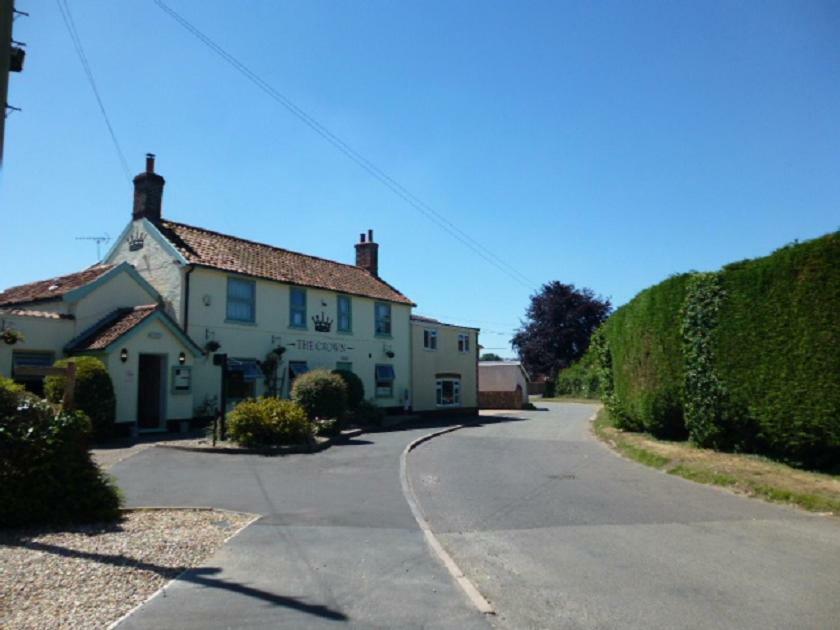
[777,349]
[747,358]
[647,363]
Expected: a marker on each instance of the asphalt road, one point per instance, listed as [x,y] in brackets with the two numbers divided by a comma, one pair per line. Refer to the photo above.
[337,544]
[558,532]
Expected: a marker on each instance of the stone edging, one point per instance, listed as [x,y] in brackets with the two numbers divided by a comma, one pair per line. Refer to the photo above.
[476,598]
[268,451]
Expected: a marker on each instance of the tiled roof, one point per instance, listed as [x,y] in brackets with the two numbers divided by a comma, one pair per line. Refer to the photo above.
[111,328]
[425,320]
[228,253]
[51,289]
[23,312]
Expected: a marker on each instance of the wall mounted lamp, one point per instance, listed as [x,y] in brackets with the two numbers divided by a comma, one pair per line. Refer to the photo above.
[124,355]
[182,358]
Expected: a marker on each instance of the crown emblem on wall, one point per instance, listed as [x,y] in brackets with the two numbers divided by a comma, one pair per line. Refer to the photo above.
[135,241]
[322,324]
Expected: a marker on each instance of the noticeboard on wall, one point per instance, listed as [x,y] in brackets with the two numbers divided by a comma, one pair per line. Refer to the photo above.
[181,379]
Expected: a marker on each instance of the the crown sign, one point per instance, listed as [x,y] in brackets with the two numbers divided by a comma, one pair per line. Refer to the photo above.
[135,241]
[322,323]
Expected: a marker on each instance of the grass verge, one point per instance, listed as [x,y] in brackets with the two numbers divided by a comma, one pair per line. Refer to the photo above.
[747,474]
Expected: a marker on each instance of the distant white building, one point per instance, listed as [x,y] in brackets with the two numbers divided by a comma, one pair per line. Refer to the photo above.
[502,385]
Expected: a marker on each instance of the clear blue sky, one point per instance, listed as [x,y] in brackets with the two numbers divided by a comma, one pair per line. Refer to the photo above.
[604,144]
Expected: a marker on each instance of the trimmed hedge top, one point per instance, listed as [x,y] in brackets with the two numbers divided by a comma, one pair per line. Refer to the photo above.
[748,357]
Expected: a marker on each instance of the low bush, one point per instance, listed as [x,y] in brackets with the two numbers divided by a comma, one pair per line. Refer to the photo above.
[94,393]
[268,422]
[321,394]
[47,476]
[355,388]
[10,393]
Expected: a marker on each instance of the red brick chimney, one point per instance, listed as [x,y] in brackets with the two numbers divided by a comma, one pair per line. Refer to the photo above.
[367,253]
[148,192]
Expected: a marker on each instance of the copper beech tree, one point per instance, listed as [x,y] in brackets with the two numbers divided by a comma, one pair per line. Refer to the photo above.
[557,327]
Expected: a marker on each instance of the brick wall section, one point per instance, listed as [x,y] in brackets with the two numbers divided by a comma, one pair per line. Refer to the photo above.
[499,400]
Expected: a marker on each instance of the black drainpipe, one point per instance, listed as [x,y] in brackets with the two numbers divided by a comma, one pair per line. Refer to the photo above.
[189,270]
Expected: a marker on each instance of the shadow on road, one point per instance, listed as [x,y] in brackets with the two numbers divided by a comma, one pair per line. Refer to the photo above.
[201,575]
[438,422]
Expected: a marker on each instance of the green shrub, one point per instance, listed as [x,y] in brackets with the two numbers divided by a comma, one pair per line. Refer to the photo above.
[355,388]
[10,393]
[580,379]
[46,473]
[321,394]
[268,422]
[645,350]
[94,393]
[368,414]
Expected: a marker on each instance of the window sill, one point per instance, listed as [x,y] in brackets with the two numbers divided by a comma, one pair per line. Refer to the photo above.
[297,327]
[383,335]
[344,332]
[240,322]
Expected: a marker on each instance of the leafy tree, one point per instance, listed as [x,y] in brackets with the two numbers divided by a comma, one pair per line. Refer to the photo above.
[558,325]
[490,356]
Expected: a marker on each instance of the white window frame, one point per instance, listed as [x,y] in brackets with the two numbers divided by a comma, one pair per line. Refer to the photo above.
[456,392]
[252,301]
[463,342]
[344,299]
[293,308]
[385,319]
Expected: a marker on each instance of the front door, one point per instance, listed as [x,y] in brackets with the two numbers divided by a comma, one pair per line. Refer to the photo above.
[150,392]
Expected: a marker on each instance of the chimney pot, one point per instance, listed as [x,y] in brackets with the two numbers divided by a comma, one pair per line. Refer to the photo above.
[367,253]
[150,162]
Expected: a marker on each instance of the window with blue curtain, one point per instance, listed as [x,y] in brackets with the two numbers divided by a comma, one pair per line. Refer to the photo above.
[383,318]
[297,307]
[345,315]
[241,300]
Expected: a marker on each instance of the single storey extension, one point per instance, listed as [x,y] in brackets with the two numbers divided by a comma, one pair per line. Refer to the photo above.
[502,385]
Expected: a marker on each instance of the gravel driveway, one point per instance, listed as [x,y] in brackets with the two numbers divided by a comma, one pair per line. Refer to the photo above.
[88,577]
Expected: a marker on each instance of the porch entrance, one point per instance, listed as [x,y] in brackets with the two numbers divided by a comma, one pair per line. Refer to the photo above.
[151,395]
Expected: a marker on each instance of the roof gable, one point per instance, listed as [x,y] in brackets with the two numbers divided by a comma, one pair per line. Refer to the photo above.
[123,322]
[229,253]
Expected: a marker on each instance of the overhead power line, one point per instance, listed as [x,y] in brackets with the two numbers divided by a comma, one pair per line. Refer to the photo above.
[80,52]
[415,202]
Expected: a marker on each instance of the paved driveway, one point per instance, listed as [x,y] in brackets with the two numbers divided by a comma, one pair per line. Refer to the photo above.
[337,545]
[558,532]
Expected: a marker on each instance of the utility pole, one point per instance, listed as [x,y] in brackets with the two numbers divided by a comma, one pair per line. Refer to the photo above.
[11,60]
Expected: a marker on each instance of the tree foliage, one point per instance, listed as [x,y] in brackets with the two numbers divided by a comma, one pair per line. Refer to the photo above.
[490,356]
[558,325]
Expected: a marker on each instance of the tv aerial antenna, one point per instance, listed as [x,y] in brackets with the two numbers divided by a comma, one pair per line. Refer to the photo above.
[98,240]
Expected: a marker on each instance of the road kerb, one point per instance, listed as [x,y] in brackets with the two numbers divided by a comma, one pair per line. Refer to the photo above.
[470,590]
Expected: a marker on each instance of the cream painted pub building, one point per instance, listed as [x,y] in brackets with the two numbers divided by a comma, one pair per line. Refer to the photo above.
[186,293]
